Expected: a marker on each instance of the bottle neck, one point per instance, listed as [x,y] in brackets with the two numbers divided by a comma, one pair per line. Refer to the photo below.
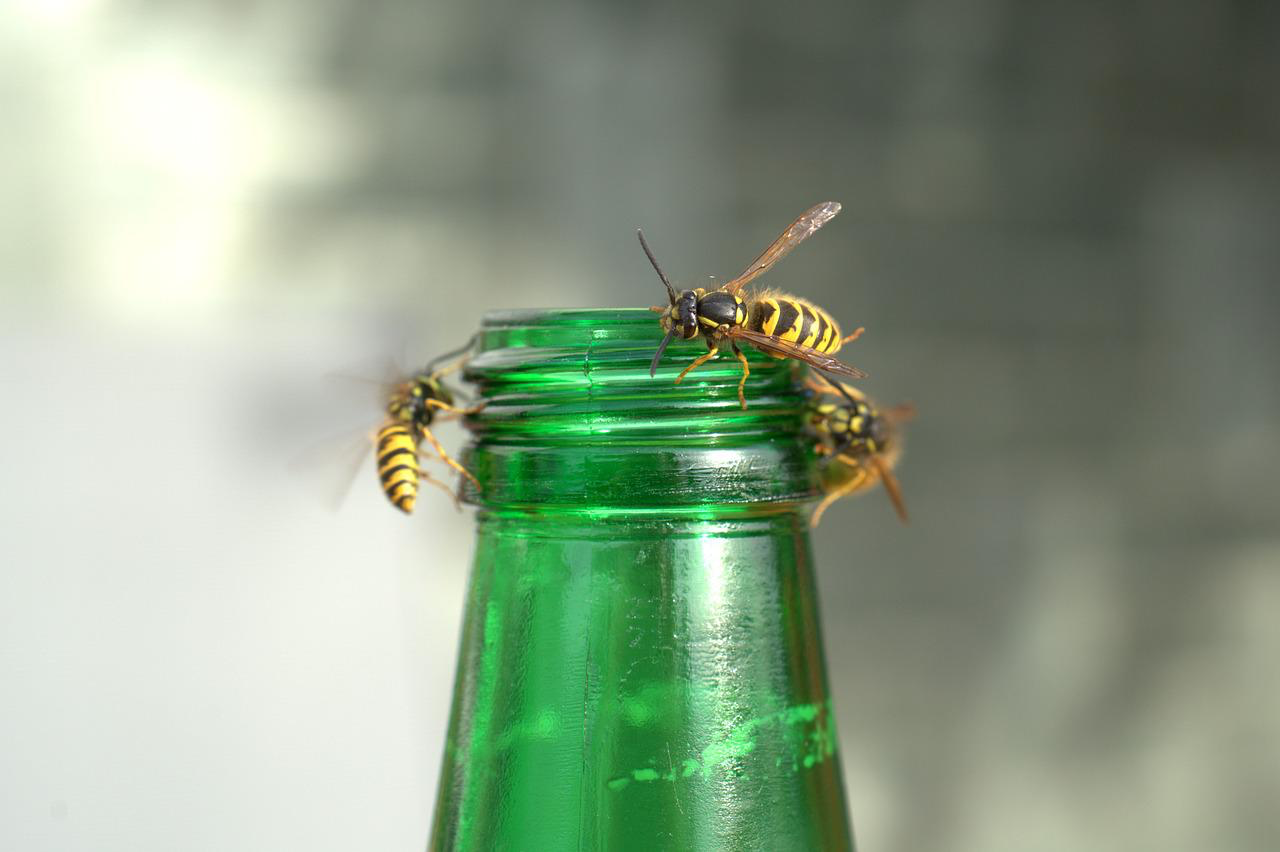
[574,424]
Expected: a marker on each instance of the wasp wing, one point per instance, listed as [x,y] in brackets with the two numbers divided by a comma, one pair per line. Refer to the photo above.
[796,233]
[903,413]
[891,487]
[787,349]
[328,468]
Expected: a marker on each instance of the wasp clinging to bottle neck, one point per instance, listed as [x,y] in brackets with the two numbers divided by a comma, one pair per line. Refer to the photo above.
[779,325]
[861,442]
[412,406]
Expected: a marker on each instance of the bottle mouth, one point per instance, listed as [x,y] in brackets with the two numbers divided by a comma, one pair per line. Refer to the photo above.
[572,417]
[583,376]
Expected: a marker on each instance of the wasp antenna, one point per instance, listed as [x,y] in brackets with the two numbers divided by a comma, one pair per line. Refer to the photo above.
[671,291]
[839,386]
[662,347]
[471,341]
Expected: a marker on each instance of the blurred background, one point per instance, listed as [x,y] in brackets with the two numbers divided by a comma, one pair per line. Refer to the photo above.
[1060,228]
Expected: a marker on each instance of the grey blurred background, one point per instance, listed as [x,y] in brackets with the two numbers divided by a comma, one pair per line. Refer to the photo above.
[1060,229]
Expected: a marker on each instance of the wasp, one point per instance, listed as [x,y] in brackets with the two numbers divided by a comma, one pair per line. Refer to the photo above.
[862,442]
[778,324]
[411,406]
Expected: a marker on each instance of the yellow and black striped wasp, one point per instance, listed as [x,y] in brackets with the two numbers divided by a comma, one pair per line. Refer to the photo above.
[862,444]
[412,406]
[778,324]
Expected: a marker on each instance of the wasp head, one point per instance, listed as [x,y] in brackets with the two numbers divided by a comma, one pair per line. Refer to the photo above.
[857,428]
[680,316]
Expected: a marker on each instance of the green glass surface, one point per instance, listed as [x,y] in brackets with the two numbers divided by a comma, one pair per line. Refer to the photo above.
[641,664]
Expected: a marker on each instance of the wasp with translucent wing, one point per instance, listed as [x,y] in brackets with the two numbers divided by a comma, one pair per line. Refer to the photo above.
[412,406]
[862,444]
[779,325]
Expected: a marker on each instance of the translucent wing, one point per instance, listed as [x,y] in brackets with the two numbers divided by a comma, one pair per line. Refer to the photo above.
[890,483]
[899,414]
[787,349]
[329,468]
[366,386]
[799,231]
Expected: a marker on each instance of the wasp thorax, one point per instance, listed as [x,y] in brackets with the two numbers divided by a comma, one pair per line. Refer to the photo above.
[399,407]
[721,308]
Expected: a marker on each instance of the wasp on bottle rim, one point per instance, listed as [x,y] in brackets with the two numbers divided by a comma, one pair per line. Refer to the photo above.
[412,406]
[778,324]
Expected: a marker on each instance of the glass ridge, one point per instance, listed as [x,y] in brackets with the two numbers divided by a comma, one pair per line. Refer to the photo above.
[571,406]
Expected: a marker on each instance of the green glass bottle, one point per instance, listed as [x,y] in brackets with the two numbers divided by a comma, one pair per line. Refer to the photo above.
[641,665]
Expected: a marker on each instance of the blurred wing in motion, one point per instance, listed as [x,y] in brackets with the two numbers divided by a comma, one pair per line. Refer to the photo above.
[328,468]
[799,231]
[890,483]
[899,414]
[373,382]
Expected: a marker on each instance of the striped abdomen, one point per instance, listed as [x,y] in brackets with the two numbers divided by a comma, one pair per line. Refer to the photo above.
[397,451]
[795,320]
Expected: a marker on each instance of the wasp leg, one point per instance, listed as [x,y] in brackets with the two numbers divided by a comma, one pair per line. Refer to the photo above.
[445,457]
[843,491]
[698,362]
[453,409]
[849,338]
[426,477]
[746,371]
